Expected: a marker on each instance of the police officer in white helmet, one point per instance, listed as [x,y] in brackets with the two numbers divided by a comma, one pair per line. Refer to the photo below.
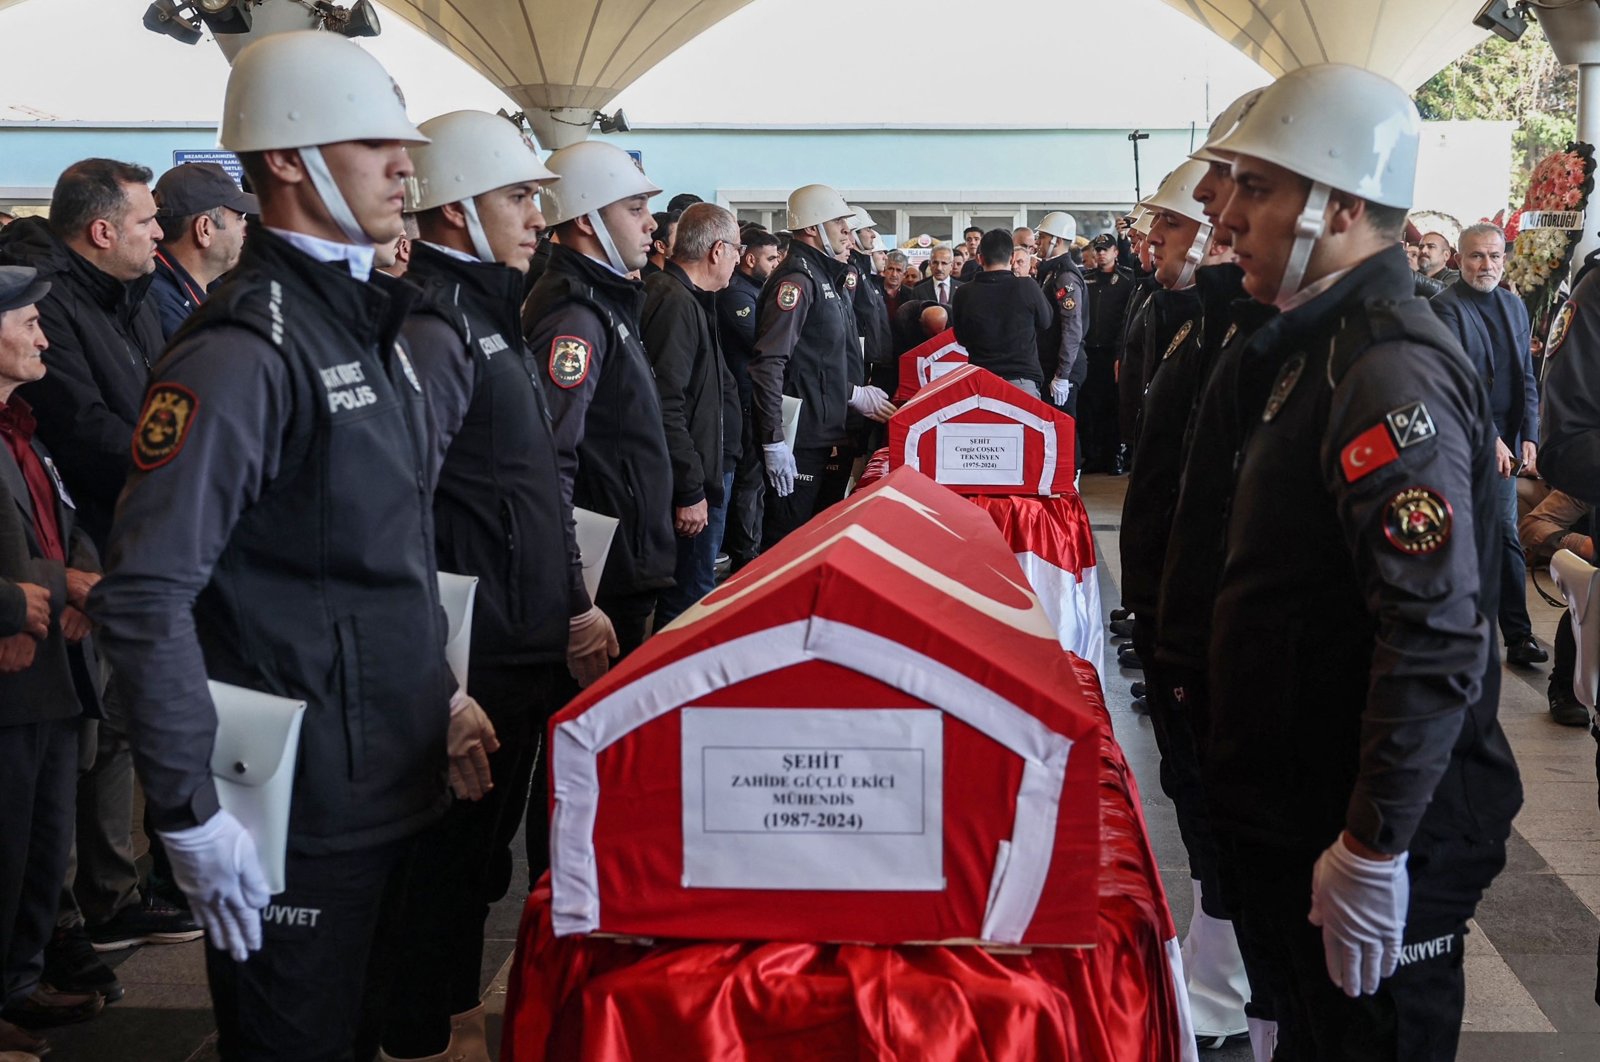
[808,347]
[1356,772]
[582,324]
[277,533]
[1061,345]
[535,634]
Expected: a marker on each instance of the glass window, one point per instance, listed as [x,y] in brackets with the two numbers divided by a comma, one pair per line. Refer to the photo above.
[752,214]
[939,226]
[995,221]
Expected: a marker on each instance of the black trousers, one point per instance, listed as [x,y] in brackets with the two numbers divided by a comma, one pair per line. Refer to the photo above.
[630,616]
[742,539]
[1415,1016]
[1564,660]
[314,990]
[38,781]
[463,864]
[1099,430]
[821,476]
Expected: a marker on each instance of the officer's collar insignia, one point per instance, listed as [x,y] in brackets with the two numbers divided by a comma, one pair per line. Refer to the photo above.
[569,361]
[1410,425]
[405,367]
[1115,277]
[1177,340]
[1417,521]
[1288,376]
[1559,328]
[743,311]
[1233,330]
[788,295]
[164,425]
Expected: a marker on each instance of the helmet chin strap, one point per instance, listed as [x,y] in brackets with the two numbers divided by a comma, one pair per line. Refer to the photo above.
[1194,256]
[608,245]
[822,234]
[480,242]
[1308,229]
[326,187]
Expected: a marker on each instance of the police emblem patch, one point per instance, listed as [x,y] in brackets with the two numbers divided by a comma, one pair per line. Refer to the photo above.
[742,312]
[163,426]
[569,361]
[1417,521]
[1410,425]
[788,295]
[1559,328]
[405,367]
[850,281]
[1288,376]
[1177,340]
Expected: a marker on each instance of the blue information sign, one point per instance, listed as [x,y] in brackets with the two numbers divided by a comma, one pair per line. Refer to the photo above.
[226,159]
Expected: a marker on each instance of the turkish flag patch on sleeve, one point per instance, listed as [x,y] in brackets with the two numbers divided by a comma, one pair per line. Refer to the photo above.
[1367,452]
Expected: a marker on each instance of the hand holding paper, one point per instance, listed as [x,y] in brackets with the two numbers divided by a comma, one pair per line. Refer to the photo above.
[470,740]
[216,866]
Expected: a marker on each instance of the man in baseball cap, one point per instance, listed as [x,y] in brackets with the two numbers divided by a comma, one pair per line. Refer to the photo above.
[202,211]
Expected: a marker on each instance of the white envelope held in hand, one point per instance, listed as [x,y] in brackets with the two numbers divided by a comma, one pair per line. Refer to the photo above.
[456,594]
[1579,582]
[252,764]
[595,532]
[791,419]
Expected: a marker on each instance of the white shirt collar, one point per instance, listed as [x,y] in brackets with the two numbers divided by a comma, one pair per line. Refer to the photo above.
[461,256]
[357,256]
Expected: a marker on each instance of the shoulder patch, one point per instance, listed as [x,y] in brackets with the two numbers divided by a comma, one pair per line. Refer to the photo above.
[168,414]
[569,361]
[1410,425]
[743,311]
[1367,452]
[1417,521]
[1288,376]
[1177,340]
[1560,327]
[788,295]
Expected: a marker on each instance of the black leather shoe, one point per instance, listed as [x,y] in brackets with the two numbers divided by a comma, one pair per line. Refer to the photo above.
[72,965]
[1567,709]
[1120,614]
[1128,657]
[1137,689]
[47,1008]
[1140,706]
[1122,628]
[1526,651]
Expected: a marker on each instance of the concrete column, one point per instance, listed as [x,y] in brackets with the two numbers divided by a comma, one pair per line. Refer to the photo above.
[1574,34]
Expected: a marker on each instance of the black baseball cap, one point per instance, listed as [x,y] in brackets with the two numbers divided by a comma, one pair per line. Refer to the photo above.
[196,187]
[20,286]
[1102,241]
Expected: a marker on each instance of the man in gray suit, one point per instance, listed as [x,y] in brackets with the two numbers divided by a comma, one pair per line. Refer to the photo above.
[46,668]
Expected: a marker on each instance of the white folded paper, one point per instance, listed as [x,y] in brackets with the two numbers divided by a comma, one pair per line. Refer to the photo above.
[791,419]
[252,764]
[456,594]
[1579,582]
[595,532]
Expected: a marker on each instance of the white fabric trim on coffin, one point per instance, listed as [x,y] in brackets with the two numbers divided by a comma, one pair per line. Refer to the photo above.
[1188,1048]
[1044,427]
[575,901]
[926,362]
[1072,601]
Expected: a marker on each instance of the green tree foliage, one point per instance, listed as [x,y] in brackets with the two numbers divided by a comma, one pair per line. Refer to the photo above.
[1502,81]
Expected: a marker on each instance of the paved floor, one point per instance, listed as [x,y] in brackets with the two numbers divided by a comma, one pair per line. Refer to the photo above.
[1530,961]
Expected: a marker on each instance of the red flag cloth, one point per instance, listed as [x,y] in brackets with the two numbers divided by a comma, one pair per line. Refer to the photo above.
[927,361]
[593,998]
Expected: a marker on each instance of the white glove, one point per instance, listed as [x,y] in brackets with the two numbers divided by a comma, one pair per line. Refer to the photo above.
[469,742]
[872,402]
[591,643]
[1060,391]
[1360,904]
[780,467]
[216,866]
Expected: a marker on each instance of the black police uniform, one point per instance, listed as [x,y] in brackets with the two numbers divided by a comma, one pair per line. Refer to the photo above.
[494,518]
[807,347]
[998,319]
[1061,354]
[582,323]
[1136,366]
[1098,431]
[736,323]
[1352,683]
[277,533]
[877,345]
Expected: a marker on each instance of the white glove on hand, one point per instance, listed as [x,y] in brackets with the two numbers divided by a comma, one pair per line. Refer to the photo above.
[216,866]
[469,742]
[591,643]
[1360,904]
[1060,391]
[872,402]
[780,467]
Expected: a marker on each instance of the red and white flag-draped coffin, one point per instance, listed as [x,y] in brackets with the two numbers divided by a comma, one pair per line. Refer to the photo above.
[977,434]
[923,364]
[869,734]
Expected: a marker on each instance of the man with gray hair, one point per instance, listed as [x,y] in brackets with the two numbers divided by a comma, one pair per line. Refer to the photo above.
[1492,325]
[699,399]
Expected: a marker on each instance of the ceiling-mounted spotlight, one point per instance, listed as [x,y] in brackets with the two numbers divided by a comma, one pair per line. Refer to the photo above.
[1509,20]
[358,20]
[613,123]
[174,20]
[183,20]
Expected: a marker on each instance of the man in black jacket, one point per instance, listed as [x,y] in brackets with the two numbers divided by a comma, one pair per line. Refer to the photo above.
[736,324]
[1492,326]
[1109,290]
[535,634]
[999,317]
[679,324]
[582,324]
[1061,359]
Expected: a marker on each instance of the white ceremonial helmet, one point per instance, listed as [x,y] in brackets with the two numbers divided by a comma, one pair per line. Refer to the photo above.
[1060,224]
[591,175]
[470,153]
[1176,195]
[1223,124]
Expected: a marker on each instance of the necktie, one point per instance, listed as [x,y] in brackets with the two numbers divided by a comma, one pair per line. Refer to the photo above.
[944,296]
